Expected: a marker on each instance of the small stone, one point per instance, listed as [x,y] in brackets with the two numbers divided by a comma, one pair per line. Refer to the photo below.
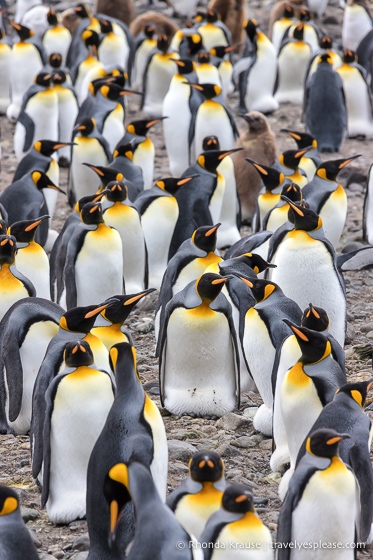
[81,543]
[232,422]
[366,328]
[350,333]
[24,463]
[234,472]
[250,412]
[273,478]
[29,514]
[58,554]
[76,525]
[79,556]
[266,444]
[45,556]
[180,450]
[225,450]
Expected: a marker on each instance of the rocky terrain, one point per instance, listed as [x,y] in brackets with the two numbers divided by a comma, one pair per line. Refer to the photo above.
[245,452]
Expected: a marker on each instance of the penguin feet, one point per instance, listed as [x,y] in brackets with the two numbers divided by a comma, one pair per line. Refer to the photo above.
[263,420]
[280,459]
[284,483]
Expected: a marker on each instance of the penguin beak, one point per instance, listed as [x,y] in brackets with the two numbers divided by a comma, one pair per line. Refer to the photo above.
[258,167]
[114,519]
[212,230]
[137,297]
[37,223]
[152,123]
[96,311]
[79,128]
[247,282]
[336,439]
[95,169]
[130,92]
[347,161]
[225,154]
[296,330]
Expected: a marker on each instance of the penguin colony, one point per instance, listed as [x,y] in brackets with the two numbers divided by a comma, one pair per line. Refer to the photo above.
[265,312]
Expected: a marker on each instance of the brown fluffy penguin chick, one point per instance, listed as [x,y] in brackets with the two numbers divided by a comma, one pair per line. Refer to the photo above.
[277,12]
[232,13]
[123,10]
[70,19]
[162,24]
[259,144]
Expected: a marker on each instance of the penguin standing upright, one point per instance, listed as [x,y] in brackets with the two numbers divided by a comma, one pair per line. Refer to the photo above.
[123,162]
[324,106]
[27,60]
[199,365]
[213,31]
[113,49]
[357,23]
[220,57]
[26,330]
[281,25]
[94,251]
[133,430]
[90,61]
[213,119]
[5,63]
[311,159]
[90,147]
[14,535]
[255,75]
[180,107]
[157,77]
[77,403]
[321,503]
[31,259]
[121,215]
[207,72]
[236,521]
[38,117]
[145,42]
[68,109]
[57,38]
[301,253]
[200,494]
[358,96]
[293,58]
[159,213]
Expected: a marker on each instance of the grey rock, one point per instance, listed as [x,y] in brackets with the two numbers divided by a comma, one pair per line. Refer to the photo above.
[29,514]
[232,422]
[79,556]
[226,450]
[81,543]
[180,450]
[245,442]
[367,327]
[45,556]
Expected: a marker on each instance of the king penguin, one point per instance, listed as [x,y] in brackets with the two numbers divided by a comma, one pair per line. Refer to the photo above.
[200,494]
[304,252]
[57,38]
[322,502]
[145,42]
[16,541]
[77,404]
[68,109]
[236,521]
[5,65]
[198,353]
[133,431]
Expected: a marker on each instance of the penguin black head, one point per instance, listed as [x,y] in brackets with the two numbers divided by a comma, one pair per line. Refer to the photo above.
[203,57]
[299,32]
[81,319]
[163,43]
[149,31]
[24,231]
[86,126]
[209,91]
[205,237]
[96,197]
[82,11]
[212,16]
[105,174]
[117,191]
[117,494]
[251,27]
[291,158]
[92,213]
[357,391]
[271,177]
[288,12]
[43,79]
[209,286]
[113,91]
[42,181]
[106,26]
[184,65]
[210,143]
[173,184]
[329,169]
[206,466]
[325,58]
[315,318]
[260,289]
[9,501]
[199,16]
[314,345]
[293,192]
[256,262]
[142,127]
[123,362]
[91,40]
[23,32]
[195,44]
[303,139]
[221,50]
[121,306]
[125,150]
[55,60]
[324,442]
[78,354]
[238,498]
[305,15]
[303,218]
[211,159]
[326,42]
[59,77]
[349,57]
[8,249]
[52,17]
[48,147]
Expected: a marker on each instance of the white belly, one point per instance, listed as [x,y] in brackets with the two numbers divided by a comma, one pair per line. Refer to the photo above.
[57,41]
[292,67]
[34,264]
[5,64]
[144,158]
[113,130]
[25,64]
[67,113]
[212,120]
[199,364]
[359,111]
[85,181]
[228,232]
[158,78]
[356,24]
[261,81]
